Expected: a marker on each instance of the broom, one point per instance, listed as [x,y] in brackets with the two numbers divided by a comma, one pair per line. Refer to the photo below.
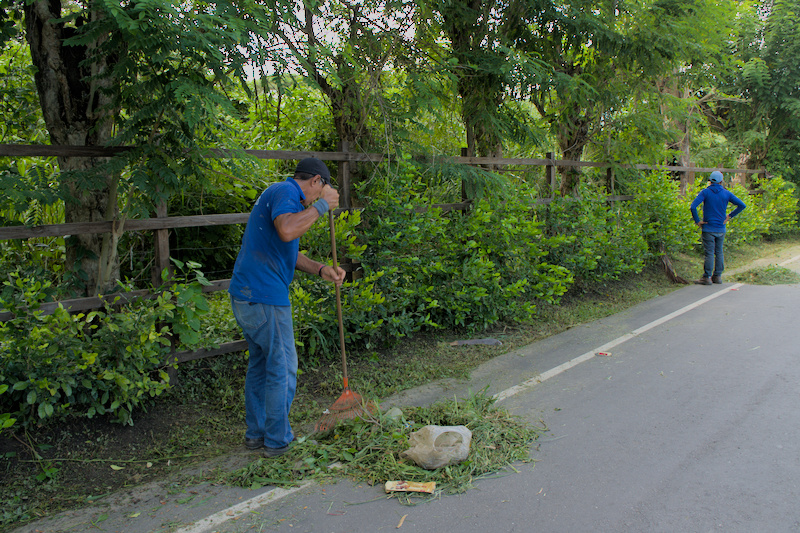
[350,404]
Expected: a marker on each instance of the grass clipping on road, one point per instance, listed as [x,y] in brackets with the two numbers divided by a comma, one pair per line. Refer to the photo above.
[369,449]
[768,275]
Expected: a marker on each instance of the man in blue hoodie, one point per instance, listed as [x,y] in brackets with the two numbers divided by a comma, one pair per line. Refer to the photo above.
[715,199]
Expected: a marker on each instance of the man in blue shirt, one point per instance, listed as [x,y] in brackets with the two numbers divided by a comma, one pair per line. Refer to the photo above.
[259,292]
[715,199]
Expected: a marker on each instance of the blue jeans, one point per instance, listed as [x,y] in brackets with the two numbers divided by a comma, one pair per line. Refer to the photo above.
[714,262]
[271,380]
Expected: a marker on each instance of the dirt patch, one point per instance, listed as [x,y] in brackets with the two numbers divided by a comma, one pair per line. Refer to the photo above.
[82,460]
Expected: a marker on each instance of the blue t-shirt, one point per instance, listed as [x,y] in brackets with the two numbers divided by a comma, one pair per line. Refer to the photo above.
[265,265]
[715,199]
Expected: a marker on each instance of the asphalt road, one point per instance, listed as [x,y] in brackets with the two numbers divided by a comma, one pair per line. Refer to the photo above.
[692,424]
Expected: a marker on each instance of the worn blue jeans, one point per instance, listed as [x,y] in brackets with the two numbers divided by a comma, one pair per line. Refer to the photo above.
[271,380]
[714,262]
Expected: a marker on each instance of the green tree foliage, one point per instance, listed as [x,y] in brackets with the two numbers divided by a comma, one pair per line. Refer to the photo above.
[768,80]
[25,186]
[19,101]
[345,50]
[752,98]
[482,59]
[152,75]
[606,59]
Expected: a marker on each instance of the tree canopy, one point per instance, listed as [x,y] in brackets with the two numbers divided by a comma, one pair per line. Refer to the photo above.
[646,81]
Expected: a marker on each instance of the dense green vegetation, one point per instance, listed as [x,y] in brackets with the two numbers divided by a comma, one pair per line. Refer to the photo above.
[197,423]
[697,83]
[421,272]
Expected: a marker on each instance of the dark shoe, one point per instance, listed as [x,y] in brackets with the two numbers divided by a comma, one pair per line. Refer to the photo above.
[254,444]
[716,279]
[275,452]
[703,281]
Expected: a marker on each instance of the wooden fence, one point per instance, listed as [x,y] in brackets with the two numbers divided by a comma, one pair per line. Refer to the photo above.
[162,223]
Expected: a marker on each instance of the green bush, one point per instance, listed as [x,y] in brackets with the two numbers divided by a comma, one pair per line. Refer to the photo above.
[420,269]
[595,241]
[663,214]
[99,363]
[458,270]
[774,201]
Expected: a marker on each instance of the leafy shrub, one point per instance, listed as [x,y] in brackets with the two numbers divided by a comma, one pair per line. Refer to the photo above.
[313,299]
[99,363]
[663,214]
[774,201]
[458,270]
[595,241]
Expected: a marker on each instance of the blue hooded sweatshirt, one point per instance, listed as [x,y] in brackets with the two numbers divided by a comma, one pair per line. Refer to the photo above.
[715,199]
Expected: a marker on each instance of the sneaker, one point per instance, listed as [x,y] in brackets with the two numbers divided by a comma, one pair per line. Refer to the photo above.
[254,444]
[275,452]
[716,279]
[703,281]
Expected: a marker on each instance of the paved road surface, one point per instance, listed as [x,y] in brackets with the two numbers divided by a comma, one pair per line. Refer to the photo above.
[692,424]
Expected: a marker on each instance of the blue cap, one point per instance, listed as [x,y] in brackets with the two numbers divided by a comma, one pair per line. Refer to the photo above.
[716,176]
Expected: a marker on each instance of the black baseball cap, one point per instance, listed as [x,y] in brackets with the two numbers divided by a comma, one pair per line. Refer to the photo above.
[313,166]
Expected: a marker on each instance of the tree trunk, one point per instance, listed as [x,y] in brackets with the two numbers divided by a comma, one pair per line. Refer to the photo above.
[573,135]
[670,86]
[481,96]
[74,108]
[466,24]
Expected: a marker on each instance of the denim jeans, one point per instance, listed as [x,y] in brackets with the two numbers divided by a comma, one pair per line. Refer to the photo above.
[271,380]
[714,262]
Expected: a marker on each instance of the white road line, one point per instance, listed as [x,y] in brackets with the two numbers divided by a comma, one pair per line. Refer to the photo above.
[516,389]
[206,524]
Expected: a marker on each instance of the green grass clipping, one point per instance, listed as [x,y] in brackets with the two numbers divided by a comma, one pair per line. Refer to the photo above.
[768,275]
[368,450]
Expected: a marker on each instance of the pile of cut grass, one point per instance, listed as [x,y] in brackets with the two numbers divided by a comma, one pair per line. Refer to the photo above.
[369,450]
[768,275]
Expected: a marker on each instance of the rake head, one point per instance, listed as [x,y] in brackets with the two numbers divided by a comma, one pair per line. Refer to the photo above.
[348,406]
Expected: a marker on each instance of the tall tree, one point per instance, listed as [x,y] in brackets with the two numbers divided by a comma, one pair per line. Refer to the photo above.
[762,110]
[152,75]
[602,55]
[688,82]
[76,99]
[481,55]
[345,49]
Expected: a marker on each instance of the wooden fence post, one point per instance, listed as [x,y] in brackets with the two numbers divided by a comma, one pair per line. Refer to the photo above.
[464,153]
[161,242]
[550,172]
[610,180]
[162,262]
[344,178]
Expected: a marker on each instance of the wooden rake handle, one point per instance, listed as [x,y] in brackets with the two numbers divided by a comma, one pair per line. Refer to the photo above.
[338,297]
